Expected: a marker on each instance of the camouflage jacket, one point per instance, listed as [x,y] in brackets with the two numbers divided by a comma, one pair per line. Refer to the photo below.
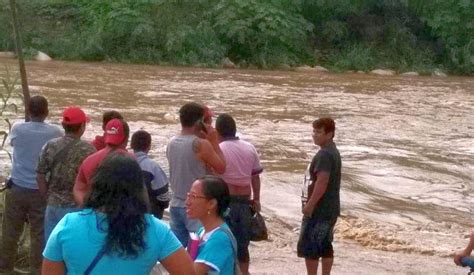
[61,177]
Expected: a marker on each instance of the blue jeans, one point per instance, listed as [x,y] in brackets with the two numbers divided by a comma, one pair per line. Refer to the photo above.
[181,225]
[52,217]
[468,261]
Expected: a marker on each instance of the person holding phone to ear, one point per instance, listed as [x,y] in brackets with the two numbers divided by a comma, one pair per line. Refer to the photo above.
[205,121]
[190,154]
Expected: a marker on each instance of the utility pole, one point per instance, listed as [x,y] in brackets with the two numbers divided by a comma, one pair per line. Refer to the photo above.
[19,53]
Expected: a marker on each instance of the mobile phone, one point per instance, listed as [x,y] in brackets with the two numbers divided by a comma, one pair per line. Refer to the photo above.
[203,126]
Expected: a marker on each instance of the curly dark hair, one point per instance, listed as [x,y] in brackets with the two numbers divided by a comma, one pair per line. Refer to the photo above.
[118,191]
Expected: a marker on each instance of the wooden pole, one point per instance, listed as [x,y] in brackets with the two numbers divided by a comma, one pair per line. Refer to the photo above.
[19,53]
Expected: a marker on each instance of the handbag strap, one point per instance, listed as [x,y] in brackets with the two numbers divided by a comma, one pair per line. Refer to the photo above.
[94,262]
[63,153]
[234,247]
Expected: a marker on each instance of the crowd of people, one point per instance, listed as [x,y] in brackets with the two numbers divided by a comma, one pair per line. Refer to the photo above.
[96,208]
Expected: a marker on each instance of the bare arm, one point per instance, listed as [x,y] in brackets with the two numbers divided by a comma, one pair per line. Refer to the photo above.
[320,186]
[53,268]
[178,263]
[79,194]
[80,189]
[42,169]
[201,269]
[42,184]
[210,153]
[256,192]
[466,251]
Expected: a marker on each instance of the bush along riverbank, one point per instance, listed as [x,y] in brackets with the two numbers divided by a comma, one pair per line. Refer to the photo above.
[362,35]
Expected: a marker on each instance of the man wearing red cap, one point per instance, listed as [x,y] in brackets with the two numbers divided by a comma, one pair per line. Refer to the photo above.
[116,138]
[99,141]
[61,158]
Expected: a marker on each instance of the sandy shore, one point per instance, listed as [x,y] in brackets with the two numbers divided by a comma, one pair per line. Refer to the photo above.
[278,255]
[273,257]
[361,245]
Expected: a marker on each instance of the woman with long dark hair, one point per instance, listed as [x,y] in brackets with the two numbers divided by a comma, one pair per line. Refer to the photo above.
[114,234]
[208,201]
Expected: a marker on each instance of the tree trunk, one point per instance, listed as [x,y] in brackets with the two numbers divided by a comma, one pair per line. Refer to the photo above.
[19,53]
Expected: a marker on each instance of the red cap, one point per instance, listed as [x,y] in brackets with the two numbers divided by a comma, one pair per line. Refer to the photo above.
[74,115]
[114,133]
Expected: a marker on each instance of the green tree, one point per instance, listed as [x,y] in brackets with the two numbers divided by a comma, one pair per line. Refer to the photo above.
[452,21]
[263,32]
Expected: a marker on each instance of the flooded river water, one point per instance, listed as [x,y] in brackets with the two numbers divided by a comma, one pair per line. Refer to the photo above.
[407,143]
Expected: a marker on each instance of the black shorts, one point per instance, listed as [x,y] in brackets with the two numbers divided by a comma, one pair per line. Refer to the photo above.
[238,221]
[315,239]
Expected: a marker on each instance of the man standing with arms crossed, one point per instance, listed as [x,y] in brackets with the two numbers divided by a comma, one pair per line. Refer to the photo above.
[322,208]
[23,200]
[190,157]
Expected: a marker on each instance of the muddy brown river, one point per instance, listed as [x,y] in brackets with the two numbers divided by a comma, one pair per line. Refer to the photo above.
[407,143]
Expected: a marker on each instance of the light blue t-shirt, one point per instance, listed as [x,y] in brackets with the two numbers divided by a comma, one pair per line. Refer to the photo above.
[216,251]
[27,139]
[77,239]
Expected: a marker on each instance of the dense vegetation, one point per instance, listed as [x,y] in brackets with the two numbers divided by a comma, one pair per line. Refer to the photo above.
[340,34]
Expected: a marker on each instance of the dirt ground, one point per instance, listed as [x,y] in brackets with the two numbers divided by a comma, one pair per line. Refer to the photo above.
[350,258]
[278,256]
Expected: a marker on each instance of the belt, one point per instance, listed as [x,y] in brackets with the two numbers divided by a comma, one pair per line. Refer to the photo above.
[240,199]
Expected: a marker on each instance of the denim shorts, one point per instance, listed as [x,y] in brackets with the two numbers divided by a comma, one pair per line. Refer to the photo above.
[468,261]
[238,220]
[315,239]
[53,215]
[181,225]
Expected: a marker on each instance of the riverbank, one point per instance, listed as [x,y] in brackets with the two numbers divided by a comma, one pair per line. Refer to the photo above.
[278,256]
[228,64]
[360,247]
[350,258]
[347,35]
